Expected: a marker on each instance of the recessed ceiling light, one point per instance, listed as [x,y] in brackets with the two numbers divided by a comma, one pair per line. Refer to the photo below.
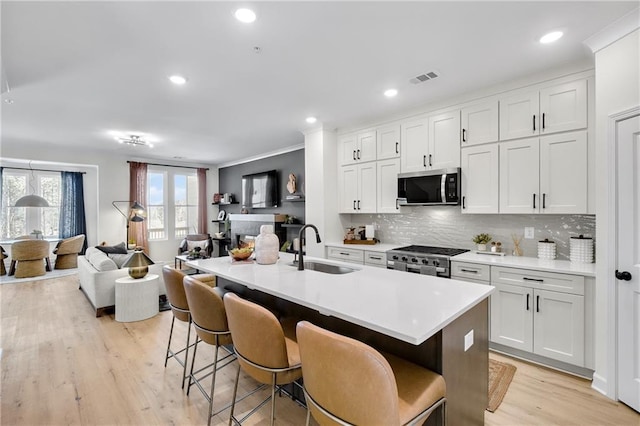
[390,93]
[245,15]
[177,79]
[551,37]
[311,120]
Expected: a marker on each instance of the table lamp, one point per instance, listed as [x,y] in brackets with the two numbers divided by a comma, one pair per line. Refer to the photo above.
[138,264]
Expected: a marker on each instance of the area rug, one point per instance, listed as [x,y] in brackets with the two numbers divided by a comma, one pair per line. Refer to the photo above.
[56,273]
[500,376]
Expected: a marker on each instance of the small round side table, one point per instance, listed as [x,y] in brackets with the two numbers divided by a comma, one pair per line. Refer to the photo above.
[136,299]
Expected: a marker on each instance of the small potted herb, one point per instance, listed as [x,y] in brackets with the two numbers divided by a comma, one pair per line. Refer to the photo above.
[481,241]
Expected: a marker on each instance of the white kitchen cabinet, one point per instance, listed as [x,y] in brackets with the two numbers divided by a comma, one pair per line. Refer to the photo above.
[479,123]
[480,179]
[374,258]
[387,185]
[414,145]
[388,141]
[554,109]
[544,175]
[346,254]
[357,147]
[539,312]
[357,188]
[444,140]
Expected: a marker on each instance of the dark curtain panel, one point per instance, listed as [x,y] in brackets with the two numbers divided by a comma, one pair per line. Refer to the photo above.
[202,201]
[72,218]
[138,192]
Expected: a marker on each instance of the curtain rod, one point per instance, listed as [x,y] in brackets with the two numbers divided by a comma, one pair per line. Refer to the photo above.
[170,165]
[37,170]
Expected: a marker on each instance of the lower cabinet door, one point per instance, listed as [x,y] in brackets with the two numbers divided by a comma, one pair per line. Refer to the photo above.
[559,326]
[512,316]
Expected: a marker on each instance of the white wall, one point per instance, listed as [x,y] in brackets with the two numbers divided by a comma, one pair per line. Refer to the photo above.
[107,180]
[617,89]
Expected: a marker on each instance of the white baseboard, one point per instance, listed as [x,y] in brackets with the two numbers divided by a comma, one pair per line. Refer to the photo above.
[599,384]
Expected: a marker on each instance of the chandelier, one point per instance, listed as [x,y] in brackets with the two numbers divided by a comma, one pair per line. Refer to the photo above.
[134,140]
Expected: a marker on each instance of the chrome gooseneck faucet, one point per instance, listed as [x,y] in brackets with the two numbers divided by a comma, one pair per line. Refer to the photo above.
[301,239]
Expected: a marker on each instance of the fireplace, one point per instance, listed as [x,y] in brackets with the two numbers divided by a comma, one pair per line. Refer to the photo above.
[246,227]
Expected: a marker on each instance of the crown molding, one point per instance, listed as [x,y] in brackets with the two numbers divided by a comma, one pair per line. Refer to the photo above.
[614,32]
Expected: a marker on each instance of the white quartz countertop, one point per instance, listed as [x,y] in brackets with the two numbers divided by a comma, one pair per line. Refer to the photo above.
[379,247]
[561,266]
[409,307]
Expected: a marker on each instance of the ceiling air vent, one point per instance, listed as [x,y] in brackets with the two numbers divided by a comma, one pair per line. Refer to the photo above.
[424,77]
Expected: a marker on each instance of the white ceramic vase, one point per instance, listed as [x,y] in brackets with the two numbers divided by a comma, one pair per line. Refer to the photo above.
[267,246]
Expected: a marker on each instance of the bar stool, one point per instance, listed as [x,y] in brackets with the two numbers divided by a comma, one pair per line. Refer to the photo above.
[180,309]
[266,348]
[210,321]
[349,383]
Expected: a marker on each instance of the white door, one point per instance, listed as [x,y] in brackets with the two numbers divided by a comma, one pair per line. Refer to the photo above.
[563,173]
[413,146]
[480,179]
[512,316]
[520,176]
[480,123]
[519,116]
[388,185]
[444,140]
[347,146]
[366,188]
[348,188]
[628,257]
[388,141]
[558,326]
[563,107]
[366,149]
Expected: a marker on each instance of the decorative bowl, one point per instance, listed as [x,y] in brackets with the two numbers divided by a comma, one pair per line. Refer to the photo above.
[241,253]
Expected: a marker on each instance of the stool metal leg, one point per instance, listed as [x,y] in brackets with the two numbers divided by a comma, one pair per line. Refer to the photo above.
[166,358]
[233,399]
[273,399]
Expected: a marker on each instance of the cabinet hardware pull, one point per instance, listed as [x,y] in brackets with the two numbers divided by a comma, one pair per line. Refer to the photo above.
[397,206]
[344,254]
[358,154]
[354,155]
[533,279]
[464,136]
[534,201]
[354,204]
[430,160]
[543,125]
[534,122]
[358,204]
[623,276]
[544,201]
[537,303]
[527,301]
[375,258]
[473,271]
[397,145]
[424,161]
[463,200]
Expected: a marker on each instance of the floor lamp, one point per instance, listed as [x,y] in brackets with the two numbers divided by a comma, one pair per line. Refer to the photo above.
[135,215]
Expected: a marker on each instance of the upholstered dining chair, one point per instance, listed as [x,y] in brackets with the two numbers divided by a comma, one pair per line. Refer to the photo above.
[29,258]
[347,382]
[173,281]
[191,241]
[67,252]
[210,321]
[266,348]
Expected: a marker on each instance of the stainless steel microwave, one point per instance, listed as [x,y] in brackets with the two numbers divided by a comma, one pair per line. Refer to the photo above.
[429,188]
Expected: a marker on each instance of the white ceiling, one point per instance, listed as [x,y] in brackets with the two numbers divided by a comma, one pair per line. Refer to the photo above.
[77,70]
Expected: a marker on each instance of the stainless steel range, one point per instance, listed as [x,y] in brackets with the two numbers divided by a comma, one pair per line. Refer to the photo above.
[423,260]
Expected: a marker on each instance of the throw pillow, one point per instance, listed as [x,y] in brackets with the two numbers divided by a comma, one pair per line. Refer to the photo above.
[118,258]
[193,244]
[117,249]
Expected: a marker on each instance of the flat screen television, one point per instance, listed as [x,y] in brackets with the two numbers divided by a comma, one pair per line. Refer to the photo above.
[260,190]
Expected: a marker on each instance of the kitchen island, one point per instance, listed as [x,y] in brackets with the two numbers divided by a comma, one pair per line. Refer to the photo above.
[435,322]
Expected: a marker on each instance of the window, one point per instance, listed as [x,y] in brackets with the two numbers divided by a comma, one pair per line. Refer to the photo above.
[17,221]
[181,217]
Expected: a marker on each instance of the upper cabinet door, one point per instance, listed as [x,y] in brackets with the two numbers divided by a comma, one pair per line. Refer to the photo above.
[480,179]
[413,146]
[366,149]
[519,176]
[388,142]
[563,107]
[388,185]
[348,189]
[479,123]
[563,173]
[519,116]
[347,148]
[444,140]
[367,182]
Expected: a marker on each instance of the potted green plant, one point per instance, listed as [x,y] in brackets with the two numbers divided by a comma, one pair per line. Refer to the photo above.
[481,241]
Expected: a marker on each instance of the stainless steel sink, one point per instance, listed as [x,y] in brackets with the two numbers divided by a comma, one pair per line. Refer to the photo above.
[326,268]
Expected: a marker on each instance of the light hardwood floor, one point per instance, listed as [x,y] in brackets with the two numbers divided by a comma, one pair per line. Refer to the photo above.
[61,365]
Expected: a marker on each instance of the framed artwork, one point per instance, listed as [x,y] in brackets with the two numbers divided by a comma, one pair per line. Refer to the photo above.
[222,215]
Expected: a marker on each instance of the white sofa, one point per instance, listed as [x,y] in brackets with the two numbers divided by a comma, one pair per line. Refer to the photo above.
[98,273]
